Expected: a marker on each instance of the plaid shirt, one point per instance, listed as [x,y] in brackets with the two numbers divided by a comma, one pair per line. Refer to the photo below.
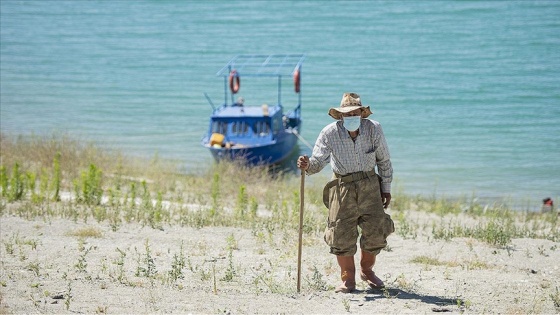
[335,145]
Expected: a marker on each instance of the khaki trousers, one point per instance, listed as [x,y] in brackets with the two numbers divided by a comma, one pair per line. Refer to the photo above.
[352,205]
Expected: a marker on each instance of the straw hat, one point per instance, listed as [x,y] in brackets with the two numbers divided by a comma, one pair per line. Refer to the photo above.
[349,102]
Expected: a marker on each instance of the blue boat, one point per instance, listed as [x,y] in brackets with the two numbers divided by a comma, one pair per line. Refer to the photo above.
[260,133]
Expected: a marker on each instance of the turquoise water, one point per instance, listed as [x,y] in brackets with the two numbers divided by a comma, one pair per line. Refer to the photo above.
[468,93]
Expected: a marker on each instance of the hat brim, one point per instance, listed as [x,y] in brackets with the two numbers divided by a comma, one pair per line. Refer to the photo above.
[337,112]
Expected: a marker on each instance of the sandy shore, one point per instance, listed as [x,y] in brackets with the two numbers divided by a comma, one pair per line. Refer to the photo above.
[61,266]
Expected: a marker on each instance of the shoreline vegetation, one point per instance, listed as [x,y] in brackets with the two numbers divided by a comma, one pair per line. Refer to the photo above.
[96,196]
[50,173]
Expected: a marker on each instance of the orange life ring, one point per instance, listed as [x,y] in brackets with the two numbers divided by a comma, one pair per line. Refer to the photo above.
[234,85]
[297,81]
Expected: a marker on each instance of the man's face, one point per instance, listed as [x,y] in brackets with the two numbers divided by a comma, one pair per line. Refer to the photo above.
[356,112]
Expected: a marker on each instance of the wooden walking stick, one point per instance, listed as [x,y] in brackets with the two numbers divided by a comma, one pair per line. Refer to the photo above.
[301,199]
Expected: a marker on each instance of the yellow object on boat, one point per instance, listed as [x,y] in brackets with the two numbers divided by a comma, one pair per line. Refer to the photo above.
[217,138]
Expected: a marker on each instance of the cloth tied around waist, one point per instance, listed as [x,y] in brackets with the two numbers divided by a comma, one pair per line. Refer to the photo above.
[352,177]
[348,178]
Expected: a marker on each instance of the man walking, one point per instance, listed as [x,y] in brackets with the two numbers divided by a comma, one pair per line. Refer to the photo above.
[356,196]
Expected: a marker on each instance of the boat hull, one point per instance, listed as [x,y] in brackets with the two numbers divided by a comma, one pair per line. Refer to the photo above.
[267,154]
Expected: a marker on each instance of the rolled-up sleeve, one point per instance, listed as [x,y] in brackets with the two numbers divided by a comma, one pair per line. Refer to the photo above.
[321,154]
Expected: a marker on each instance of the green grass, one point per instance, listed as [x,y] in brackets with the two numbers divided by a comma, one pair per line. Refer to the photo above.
[425,260]
[86,232]
[61,177]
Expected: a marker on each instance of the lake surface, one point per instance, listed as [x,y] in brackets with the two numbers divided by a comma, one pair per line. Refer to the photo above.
[468,93]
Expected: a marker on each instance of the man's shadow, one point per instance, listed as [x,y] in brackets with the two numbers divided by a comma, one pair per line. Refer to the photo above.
[393,293]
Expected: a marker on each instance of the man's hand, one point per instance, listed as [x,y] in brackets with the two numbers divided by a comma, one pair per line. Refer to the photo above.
[303,162]
[386,198]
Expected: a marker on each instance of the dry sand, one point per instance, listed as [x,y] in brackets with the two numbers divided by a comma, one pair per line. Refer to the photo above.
[46,269]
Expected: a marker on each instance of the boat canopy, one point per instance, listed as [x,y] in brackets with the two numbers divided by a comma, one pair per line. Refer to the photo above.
[263,65]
